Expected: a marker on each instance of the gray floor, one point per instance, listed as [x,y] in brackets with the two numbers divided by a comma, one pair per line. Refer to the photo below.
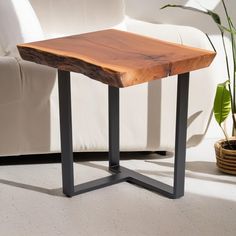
[32,203]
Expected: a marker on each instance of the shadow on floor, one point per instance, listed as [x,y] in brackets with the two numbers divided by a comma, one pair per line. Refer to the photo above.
[204,167]
[79,157]
[54,192]
[194,168]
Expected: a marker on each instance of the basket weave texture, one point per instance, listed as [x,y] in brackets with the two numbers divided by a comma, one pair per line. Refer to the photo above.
[226,158]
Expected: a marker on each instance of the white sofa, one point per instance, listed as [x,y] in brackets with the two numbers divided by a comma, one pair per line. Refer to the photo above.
[29,117]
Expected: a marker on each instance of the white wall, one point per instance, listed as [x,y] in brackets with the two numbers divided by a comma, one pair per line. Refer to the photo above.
[149,10]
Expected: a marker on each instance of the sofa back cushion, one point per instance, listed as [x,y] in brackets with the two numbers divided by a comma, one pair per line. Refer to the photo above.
[18,24]
[66,17]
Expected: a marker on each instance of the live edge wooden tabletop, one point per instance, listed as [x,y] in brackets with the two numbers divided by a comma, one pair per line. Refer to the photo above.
[117,58]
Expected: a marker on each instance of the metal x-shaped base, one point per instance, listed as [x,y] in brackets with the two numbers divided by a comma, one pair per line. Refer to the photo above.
[119,173]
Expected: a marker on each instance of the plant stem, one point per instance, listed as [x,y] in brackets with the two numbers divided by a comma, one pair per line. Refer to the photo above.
[232,109]
[226,55]
[209,39]
[227,66]
[234,59]
[230,90]
[226,137]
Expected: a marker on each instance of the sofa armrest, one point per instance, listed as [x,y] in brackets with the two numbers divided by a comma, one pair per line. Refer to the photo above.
[174,33]
[37,79]
[10,80]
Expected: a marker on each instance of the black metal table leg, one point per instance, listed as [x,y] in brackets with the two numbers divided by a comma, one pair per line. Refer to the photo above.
[66,132]
[114,126]
[120,173]
[180,134]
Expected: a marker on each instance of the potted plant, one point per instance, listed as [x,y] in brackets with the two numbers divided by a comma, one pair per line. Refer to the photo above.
[225,97]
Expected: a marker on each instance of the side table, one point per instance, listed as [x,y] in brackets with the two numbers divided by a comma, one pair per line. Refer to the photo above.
[119,59]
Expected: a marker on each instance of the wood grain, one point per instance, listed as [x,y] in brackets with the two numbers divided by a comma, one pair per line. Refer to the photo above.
[115,57]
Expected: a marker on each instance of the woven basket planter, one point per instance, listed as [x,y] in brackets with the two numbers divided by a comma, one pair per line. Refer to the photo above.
[226,158]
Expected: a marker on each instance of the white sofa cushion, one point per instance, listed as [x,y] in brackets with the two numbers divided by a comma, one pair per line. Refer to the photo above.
[1,51]
[60,17]
[18,24]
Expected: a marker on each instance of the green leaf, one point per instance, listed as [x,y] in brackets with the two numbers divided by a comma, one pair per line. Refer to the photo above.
[214,16]
[222,103]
